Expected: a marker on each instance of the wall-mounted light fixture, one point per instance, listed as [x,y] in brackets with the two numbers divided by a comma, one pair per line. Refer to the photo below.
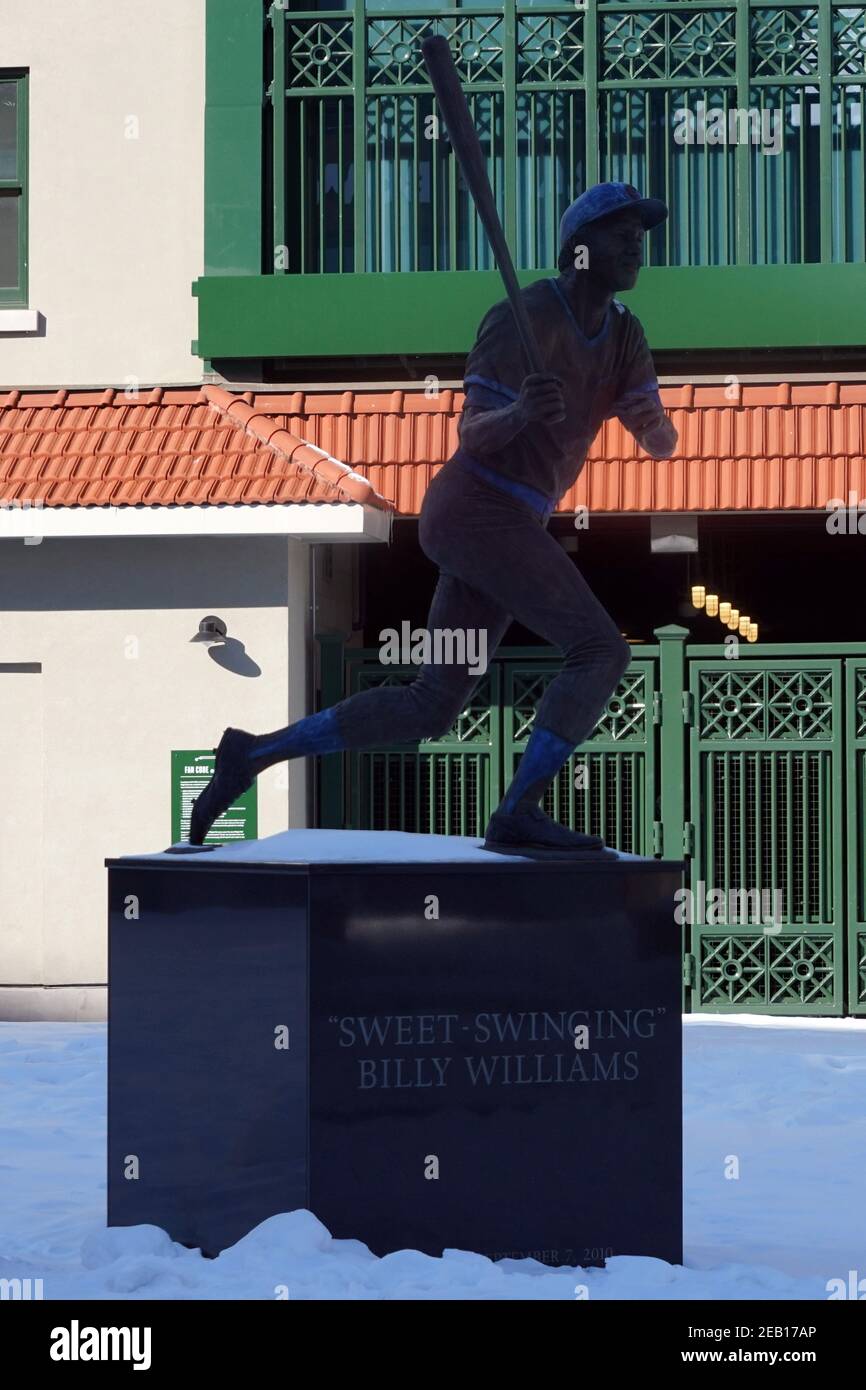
[211,629]
[673,534]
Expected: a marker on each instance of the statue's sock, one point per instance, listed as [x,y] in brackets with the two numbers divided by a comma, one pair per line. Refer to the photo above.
[545,754]
[318,733]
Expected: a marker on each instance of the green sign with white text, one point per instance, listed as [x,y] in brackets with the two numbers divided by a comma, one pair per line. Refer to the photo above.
[191,770]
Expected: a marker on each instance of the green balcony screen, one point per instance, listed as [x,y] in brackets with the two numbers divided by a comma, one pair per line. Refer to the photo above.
[746,118]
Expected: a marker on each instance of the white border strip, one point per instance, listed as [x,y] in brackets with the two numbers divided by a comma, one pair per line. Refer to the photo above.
[338,521]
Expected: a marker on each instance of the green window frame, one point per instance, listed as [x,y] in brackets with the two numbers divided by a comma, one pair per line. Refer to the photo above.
[14,187]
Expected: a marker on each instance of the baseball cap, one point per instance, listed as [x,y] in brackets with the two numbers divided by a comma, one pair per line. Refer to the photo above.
[603,199]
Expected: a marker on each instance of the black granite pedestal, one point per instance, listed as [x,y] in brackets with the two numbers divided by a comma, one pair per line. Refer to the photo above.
[426,1045]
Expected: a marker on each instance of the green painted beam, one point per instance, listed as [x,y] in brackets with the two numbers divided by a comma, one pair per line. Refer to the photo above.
[431,312]
[233,138]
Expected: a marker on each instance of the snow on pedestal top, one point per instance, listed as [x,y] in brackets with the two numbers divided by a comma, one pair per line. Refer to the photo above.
[364,847]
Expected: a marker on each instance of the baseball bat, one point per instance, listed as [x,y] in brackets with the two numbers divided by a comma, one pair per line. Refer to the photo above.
[466,146]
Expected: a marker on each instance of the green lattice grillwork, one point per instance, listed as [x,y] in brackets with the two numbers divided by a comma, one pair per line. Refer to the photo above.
[607,787]
[319,53]
[849,41]
[360,184]
[443,786]
[792,705]
[855,763]
[550,49]
[785,974]
[394,49]
[766,763]
[624,718]
[672,44]
[784,41]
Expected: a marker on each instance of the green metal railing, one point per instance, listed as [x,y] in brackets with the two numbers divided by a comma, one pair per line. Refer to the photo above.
[767,749]
[336,223]
[746,118]
[751,769]
[442,786]
[450,785]
[855,765]
[608,786]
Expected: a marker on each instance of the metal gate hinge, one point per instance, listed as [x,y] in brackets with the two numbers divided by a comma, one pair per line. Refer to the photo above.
[689,838]
[689,963]
[688,707]
[657,707]
[658,836]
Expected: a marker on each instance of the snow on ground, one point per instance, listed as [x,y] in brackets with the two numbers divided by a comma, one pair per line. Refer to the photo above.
[787,1097]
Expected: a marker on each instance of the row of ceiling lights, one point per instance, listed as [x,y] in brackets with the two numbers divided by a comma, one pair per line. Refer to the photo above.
[714,607]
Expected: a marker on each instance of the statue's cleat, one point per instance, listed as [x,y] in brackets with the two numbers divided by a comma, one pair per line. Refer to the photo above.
[529,831]
[233,775]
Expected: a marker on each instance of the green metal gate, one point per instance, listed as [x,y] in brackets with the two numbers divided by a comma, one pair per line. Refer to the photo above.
[766,875]
[607,787]
[440,786]
[855,761]
[450,786]
[752,769]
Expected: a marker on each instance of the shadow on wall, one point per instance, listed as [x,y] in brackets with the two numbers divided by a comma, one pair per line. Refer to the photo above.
[232,656]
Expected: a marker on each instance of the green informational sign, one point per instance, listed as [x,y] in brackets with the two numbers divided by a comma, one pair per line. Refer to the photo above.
[191,771]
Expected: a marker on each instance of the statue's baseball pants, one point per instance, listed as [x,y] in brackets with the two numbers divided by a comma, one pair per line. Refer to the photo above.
[497,562]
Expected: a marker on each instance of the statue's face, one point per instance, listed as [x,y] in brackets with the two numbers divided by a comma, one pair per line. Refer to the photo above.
[615,249]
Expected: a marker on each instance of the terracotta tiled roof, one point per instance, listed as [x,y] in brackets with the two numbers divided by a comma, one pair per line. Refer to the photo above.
[786,446]
[165,447]
[747,447]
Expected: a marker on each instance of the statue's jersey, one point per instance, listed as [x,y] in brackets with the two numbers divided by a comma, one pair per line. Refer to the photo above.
[599,375]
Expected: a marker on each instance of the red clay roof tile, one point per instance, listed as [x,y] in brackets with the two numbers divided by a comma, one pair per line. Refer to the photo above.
[160,447]
[741,447]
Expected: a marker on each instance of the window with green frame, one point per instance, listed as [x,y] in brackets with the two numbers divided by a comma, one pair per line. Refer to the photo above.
[13,189]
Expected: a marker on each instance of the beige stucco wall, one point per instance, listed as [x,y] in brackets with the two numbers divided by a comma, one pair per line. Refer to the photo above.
[86,739]
[116,189]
